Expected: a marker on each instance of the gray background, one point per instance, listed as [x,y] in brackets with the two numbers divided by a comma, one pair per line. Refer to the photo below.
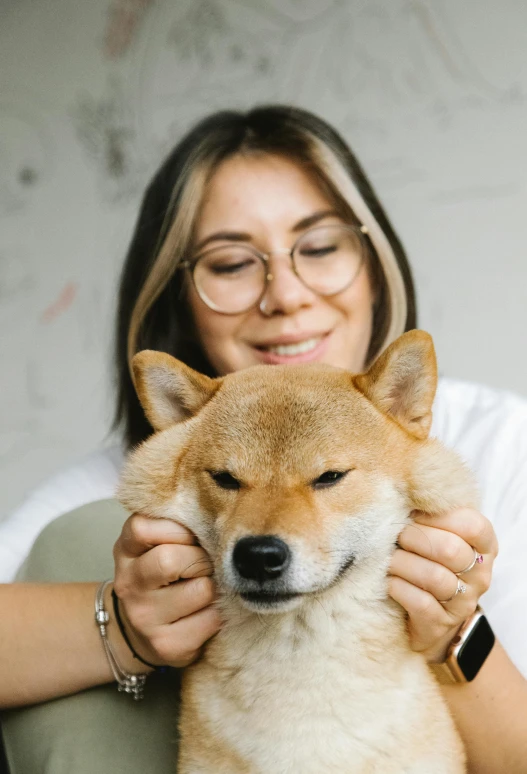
[431,94]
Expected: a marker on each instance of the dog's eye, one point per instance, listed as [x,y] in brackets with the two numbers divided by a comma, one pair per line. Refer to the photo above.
[329,478]
[224,479]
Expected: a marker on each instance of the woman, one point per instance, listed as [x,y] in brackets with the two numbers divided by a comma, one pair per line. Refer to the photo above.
[253,193]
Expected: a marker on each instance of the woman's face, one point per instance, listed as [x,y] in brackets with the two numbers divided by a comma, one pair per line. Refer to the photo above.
[269,200]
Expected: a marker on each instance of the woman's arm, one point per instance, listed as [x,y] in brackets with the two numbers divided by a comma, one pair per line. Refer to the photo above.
[491,711]
[491,716]
[50,645]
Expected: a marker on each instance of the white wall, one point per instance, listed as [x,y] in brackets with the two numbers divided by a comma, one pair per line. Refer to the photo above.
[431,95]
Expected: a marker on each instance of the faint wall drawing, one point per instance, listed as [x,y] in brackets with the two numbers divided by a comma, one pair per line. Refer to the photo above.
[61,304]
[200,31]
[27,154]
[372,68]
[16,280]
[402,55]
[361,62]
[440,32]
[124,20]
[489,192]
[231,51]
[300,11]
[105,128]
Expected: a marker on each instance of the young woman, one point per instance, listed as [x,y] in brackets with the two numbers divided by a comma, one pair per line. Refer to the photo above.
[220,274]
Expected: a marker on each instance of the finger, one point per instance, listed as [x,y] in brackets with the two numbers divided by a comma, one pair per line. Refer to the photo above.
[166,564]
[438,545]
[141,533]
[467,523]
[190,596]
[179,643]
[170,604]
[426,575]
[428,621]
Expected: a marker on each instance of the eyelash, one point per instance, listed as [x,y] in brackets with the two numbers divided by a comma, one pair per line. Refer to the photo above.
[224,479]
[329,478]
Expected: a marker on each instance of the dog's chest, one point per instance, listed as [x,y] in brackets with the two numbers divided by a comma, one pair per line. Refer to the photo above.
[306,697]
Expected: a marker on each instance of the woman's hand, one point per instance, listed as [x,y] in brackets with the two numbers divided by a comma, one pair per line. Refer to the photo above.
[423,576]
[163,582]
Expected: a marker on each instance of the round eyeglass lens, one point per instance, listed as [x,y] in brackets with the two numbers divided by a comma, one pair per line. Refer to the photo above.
[328,258]
[229,279]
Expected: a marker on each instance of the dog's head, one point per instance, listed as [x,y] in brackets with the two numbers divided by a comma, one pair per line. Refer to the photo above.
[292,476]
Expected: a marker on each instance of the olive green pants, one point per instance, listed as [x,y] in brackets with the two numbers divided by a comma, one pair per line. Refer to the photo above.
[99,731]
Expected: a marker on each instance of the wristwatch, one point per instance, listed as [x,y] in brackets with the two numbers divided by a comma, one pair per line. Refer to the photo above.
[467,652]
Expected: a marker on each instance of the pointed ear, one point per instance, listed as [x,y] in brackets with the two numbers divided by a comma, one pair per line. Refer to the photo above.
[168,389]
[402,382]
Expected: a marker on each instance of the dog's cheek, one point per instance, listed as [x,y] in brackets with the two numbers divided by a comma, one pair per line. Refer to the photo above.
[186,508]
[373,529]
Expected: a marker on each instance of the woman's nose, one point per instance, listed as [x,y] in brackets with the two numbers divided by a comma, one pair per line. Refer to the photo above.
[285,292]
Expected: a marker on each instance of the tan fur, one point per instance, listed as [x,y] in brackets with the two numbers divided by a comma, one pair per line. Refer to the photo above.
[324,682]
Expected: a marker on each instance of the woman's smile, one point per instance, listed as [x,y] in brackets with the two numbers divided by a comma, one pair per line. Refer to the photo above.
[302,348]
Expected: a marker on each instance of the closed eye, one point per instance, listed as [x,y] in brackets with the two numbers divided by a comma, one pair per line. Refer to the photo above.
[329,478]
[233,268]
[318,252]
[224,479]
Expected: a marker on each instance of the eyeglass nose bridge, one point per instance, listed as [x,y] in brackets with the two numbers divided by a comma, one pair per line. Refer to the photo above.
[265,257]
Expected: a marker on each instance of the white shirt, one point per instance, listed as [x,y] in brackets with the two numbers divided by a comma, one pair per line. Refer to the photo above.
[487,427]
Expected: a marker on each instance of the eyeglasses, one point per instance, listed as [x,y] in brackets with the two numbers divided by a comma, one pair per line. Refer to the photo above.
[233,278]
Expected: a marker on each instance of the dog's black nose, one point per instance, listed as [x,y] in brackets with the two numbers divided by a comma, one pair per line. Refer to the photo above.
[261,558]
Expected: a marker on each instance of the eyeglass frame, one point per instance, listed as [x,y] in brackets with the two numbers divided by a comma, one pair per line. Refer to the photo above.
[264,258]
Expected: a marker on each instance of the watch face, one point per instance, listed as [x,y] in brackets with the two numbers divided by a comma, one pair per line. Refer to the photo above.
[476,648]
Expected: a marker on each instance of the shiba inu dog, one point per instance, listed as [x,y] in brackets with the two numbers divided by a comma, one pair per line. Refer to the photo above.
[297,481]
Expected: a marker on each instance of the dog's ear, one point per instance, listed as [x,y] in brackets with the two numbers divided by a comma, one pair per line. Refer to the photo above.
[403,380]
[168,389]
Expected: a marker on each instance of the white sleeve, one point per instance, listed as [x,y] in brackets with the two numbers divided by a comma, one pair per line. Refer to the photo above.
[488,428]
[505,603]
[93,479]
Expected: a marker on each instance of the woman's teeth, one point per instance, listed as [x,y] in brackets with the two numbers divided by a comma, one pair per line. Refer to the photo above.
[294,349]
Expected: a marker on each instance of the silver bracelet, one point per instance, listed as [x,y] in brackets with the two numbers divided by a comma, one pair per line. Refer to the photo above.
[132,684]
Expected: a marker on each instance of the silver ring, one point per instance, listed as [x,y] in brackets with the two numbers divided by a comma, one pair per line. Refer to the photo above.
[461,589]
[478,558]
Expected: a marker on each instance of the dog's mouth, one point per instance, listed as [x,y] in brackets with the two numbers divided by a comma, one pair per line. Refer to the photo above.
[268,599]
[281,599]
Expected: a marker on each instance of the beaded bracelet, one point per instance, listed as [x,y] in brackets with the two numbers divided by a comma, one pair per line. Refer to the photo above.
[120,624]
[126,682]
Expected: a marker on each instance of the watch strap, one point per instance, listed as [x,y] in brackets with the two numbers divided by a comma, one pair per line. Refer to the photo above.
[443,674]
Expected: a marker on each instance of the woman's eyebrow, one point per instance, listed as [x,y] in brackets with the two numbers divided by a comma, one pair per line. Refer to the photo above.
[226,236]
[241,236]
[314,218]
